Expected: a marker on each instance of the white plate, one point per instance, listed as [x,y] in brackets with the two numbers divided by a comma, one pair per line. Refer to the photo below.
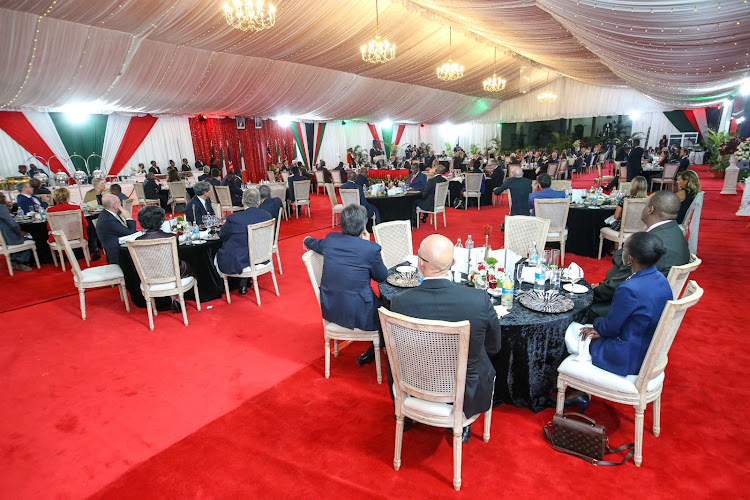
[495,292]
[406,269]
[575,288]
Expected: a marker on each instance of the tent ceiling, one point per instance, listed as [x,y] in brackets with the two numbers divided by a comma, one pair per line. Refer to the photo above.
[179,56]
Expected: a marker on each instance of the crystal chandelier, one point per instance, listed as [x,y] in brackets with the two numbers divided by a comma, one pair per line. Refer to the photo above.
[247,15]
[378,50]
[547,97]
[494,84]
[450,71]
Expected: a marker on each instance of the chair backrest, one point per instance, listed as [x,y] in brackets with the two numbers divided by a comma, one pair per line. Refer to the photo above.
[214,196]
[139,192]
[656,357]
[428,358]
[625,186]
[314,265]
[522,231]
[697,201]
[156,261]
[178,189]
[395,241]
[62,242]
[69,222]
[670,171]
[278,226]
[278,190]
[224,195]
[320,177]
[559,185]
[349,196]
[285,176]
[441,196]
[678,275]
[127,205]
[552,169]
[623,171]
[555,210]
[336,176]
[632,209]
[474,182]
[301,190]
[271,175]
[260,241]
[331,190]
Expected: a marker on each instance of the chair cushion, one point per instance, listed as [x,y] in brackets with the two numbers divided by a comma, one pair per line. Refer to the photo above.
[100,273]
[258,267]
[72,243]
[429,407]
[608,232]
[162,287]
[557,235]
[26,245]
[333,327]
[586,371]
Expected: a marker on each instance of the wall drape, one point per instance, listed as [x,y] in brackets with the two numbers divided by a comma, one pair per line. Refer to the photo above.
[169,139]
[136,130]
[117,125]
[18,127]
[42,123]
[83,139]
[13,154]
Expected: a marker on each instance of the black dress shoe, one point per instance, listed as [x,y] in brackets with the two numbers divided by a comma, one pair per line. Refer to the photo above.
[366,357]
[582,401]
[176,307]
[423,218]
[243,290]
[466,434]
[96,256]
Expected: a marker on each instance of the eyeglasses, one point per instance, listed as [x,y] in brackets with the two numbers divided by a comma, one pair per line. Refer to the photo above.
[425,260]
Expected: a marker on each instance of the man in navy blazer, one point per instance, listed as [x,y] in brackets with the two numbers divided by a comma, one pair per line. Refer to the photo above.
[544,181]
[269,203]
[26,199]
[113,222]
[200,204]
[351,260]
[351,184]
[234,256]
[295,177]
[684,160]
[417,179]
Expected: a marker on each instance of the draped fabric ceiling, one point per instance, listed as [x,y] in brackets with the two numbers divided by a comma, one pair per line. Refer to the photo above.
[180,56]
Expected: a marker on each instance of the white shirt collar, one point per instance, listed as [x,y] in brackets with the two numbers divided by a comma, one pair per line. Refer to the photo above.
[657,225]
[114,213]
[443,277]
[203,202]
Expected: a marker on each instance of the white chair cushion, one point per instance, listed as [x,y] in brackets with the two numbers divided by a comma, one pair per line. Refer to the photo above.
[334,328]
[586,371]
[557,235]
[608,232]
[26,245]
[100,273]
[258,267]
[338,208]
[71,242]
[428,407]
[162,287]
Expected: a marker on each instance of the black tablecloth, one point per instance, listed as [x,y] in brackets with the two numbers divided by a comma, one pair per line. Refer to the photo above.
[533,346]
[200,259]
[583,229]
[651,174]
[394,207]
[38,231]
[455,189]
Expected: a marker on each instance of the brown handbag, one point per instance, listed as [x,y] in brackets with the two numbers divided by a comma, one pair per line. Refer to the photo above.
[581,436]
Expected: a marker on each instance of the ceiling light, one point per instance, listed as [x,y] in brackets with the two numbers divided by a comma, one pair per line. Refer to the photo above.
[247,15]
[378,50]
[745,88]
[283,121]
[450,71]
[634,115]
[494,84]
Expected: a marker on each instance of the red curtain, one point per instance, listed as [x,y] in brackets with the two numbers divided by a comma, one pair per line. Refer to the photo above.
[138,129]
[15,124]
[217,132]
[374,132]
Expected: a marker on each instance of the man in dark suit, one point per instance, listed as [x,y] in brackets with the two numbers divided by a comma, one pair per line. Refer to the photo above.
[326,174]
[154,168]
[290,183]
[215,179]
[113,222]
[185,167]
[152,191]
[429,161]
[520,188]
[498,175]
[438,298]
[659,215]
[427,199]
[371,209]
[634,160]
[546,192]
[342,170]
[362,180]
[350,262]
[684,160]
[234,256]
[235,188]
[417,180]
[200,204]
[205,175]
[269,203]
[232,180]
[199,165]
[27,200]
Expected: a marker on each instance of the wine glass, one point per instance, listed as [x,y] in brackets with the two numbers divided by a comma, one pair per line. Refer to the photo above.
[519,277]
[574,275]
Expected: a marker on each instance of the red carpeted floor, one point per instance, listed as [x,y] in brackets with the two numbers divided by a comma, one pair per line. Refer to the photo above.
[236,405]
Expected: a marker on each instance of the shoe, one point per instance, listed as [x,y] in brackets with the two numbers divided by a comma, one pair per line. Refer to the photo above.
[366,357]
[466,434]
[176,307]
[96,256]
[582,401]
[243,290]
[21,267]
[423,218]
[502,227]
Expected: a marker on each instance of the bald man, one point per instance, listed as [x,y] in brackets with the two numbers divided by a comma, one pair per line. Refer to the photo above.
[520,188]
[439,298]
[113,222]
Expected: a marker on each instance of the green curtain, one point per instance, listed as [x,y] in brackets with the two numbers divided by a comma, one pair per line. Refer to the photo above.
[680,121]
[387,139]
[83,139]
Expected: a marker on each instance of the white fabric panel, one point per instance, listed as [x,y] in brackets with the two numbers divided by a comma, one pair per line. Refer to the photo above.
[13,155]
[117,125]
[659,123]
[169,139]
[44,126]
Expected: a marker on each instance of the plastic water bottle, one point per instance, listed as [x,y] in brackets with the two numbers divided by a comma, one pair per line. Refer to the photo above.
[506,299]
[19,213]
[533,255]
[469,247]
[196,235]
[458,244]
[540,276]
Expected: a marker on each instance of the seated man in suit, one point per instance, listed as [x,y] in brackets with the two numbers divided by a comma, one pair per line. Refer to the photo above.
[113,222]
[684,160]
[290,182]
[116,190]
[34,170]
[235,188]
[417,179]
[215,178]
[13,236]
[427,200]
[267,202]
[371,209]
[27,201]
[199,205]
[326,174]
[498,175]
[546,192]
[154,169]
[39,190]
[232,180]
[659,215]
[519,188]
[438,298]
[342,171]
[199,165]
[476,168]
[94,196]
[205,175]
[361,179]
[185,167]
[152,191]
[351,260]
[234,256]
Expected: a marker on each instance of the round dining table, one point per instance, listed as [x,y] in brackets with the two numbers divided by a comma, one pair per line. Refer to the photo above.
[394,207]
[532,347]
[38,231]
[584,223]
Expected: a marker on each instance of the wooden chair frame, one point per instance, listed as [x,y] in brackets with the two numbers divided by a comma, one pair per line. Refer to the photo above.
[627,226]
[255,260]
[441,193]
[9,250]
[395,241]
[557,232]
[65,218]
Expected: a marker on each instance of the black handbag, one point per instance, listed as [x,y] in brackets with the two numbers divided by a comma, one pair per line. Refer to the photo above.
[581,436]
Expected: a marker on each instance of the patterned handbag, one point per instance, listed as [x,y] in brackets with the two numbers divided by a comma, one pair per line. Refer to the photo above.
[581,436]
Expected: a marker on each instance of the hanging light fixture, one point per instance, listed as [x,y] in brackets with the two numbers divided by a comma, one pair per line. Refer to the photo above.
[450,71]
[494,84]
[547,97]
[247,15]
[378,50]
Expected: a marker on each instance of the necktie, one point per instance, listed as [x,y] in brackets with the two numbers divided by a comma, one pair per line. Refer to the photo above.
[122,221]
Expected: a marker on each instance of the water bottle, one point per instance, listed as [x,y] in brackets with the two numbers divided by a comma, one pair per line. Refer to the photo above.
[469,247]
[196,233]
[19,212]
[506,299]
[540,276]
[458,244]
[533,255]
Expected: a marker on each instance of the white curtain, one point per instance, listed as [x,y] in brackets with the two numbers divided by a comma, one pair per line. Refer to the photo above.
[117,125]
[13,155]
[169,139]
[44,126]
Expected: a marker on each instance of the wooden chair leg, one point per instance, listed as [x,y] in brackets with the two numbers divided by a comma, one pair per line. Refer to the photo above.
[457,445]
[255,286]
[601,242]
[124,292]
[197,295]
[184,310]
[86,255]
[335,348]
[657,416]
[62,260]
[327,351]
[561,386]
[418,217]
[487,424]
[275,286]
[10,263]
[153,306]
[150,315]
[638,457]
[82,298]
[278,259]
[445,224]
[226,290]
[378,371]
[36,258]
[562,249]
[54,258]
[399,441]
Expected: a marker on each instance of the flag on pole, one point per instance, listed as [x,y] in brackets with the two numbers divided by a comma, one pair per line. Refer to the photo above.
[213,155]
[223,166]
[242,164]
[278,156]
[229,159]
[268,152]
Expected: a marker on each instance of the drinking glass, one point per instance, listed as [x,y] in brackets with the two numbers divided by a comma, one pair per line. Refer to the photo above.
[519,277]
[554,260]
[555,278]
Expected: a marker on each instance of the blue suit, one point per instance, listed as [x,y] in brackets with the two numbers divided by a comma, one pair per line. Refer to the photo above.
[346,297]
[627,330]
[195,205]
[418,182]
[371,209]
[233,256]
[29,204]
[545,193]
[271,205]
[108,230]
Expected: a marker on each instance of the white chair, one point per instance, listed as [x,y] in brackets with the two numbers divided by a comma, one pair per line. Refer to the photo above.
[301,197]
[128,205]
[602,178]
[278,190]
[668,176]
[522,231]
[70,223]
[158,267]
[276,239]
[556,211]
[473,189]
[320,181]
[441,198]
[428,362]
[336,176]
[271,175]
[623,173]
[395,241]
[225,200]
[552,170]
[285,177]
[177,194]
[95,277]
[331,331]
[260,247]
[635,390]
[141,195]
[349,197]
[336,207]
[678,275]
[630,222]
[8,250]
[561,185]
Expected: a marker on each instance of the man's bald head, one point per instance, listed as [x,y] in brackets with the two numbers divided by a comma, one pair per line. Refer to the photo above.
[436,255]
[516,172]
[661,206]
[109,201]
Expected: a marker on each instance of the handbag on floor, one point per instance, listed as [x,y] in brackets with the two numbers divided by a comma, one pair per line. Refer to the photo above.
[581,436]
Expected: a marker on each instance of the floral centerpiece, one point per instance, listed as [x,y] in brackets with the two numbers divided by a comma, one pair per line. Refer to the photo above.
[577,143]
[180,225]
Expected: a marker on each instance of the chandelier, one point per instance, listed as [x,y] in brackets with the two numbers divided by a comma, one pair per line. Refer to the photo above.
[547,97]
[378,50]
[494,84]
[247,15]
[450,71]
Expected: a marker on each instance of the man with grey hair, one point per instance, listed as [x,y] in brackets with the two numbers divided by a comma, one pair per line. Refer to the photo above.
[269,203]
[351,260]
[113,222]
[26,199]
[200,204]
[206,173]
[520,188]
[233,256]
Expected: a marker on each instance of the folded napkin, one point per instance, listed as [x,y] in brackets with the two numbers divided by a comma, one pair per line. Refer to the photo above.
[411,259]
[123,239]
[501,311]
[573,266]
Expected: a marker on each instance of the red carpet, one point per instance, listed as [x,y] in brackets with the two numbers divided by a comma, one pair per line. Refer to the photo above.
[228,407]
